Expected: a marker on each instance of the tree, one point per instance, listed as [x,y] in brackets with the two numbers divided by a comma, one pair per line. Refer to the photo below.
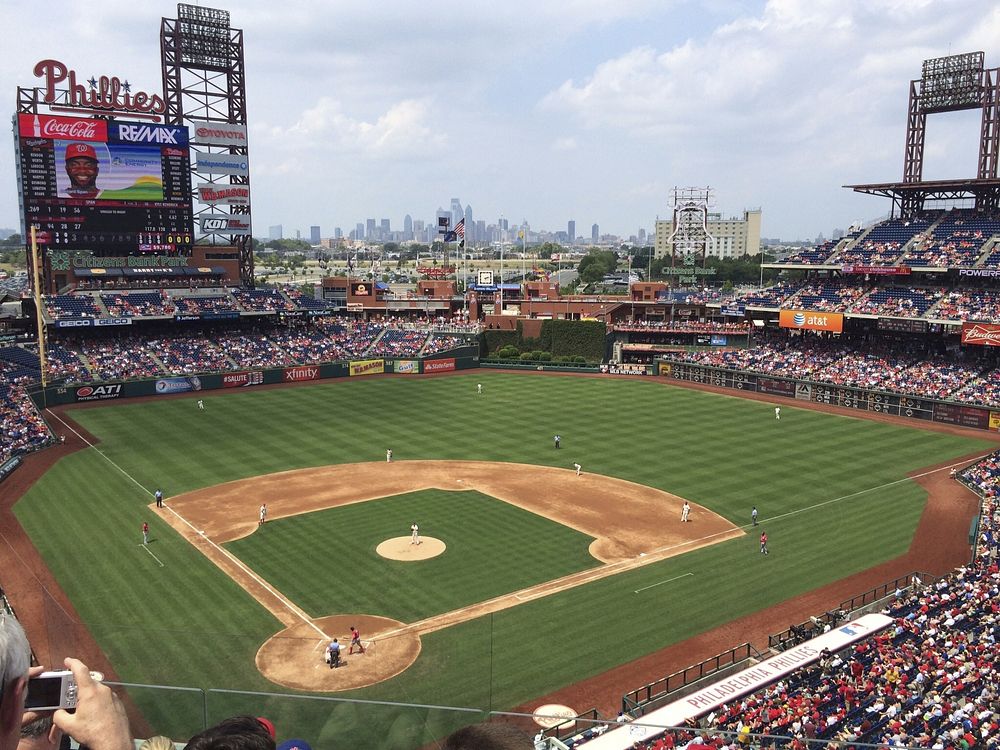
[548,249]
[596,264]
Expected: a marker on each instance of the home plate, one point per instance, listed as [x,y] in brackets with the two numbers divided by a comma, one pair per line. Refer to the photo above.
[554,714]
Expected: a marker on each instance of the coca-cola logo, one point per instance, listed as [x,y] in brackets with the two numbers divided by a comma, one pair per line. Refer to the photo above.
[70,129]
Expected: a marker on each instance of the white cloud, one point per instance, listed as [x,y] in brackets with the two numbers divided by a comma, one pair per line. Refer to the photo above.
[564,143]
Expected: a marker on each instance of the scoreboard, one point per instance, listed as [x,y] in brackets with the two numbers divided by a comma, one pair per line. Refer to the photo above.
[109,186]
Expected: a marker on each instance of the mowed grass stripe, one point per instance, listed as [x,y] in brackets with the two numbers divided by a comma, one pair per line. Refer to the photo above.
[725,453]
[492,549]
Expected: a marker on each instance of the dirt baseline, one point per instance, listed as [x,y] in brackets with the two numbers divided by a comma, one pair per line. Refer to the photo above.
[632,525]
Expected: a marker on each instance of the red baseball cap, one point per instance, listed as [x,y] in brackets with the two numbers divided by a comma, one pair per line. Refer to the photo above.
[80,151]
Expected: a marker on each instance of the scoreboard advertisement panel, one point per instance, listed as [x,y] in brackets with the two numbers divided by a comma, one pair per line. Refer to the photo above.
[106,185]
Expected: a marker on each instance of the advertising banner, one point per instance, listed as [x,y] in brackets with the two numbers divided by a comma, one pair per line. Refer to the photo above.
[8,466]
[811,320]
[178,385]
[405,366]
[718,340]
[876,270]
[98,322]
[242,379]
[213,193]
[225,224]
[664,368]
[99,392]
[778,387]
[223,164]
[361,289]
[439,365]
[966,416]
[298,374]
[74,323]
[981,334]
[995,420]
[218,133]
[368,367]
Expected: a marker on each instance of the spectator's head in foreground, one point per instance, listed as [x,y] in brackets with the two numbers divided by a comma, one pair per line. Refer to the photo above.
[488,737]
[14,656]
[237,733]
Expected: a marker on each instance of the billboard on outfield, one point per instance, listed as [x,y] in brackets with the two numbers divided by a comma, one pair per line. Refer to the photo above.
[439,365]
[811,320]
[90,182]
[405,366]
[981,334]
[178,385]
[242,379]
[298,374]
[99,392]
[367,367]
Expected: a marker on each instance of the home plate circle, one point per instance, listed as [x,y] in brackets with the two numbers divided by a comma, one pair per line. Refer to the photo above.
[402,548]
[553,714]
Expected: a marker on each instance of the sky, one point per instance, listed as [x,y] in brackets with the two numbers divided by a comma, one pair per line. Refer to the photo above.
[549,110]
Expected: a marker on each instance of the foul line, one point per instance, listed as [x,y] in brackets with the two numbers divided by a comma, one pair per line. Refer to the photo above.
[148,550]
[224,552]
[654,585]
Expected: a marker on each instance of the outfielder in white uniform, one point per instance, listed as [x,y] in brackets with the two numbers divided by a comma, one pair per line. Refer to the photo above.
[577,467]
[388,456]
[777,412]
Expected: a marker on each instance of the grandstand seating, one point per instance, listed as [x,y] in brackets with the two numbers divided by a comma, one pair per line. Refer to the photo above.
[72,306]
[136,304]
[21,426]
[814,256]
[884,243]
[396,343]
[262,300]
[826,296]
[197,305]
[898,301]
[771,297]
[187,355]
[956,241]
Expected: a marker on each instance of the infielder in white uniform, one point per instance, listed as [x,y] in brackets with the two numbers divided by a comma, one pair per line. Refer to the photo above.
[388,456]
[414,533]
[577,467]
[685,512]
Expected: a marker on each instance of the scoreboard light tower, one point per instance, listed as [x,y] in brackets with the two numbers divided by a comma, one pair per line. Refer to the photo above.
[691,235]
[204,86]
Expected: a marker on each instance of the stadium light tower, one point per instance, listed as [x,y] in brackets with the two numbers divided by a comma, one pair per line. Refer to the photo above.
[690,234]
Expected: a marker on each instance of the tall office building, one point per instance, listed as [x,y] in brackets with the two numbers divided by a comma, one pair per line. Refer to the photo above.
[470,224]
[314,235]
[384,229]
[359,231]
[275,232]
[456,211]
[407,227]
[595,233]
[370,229]
[571,231]
[338,233]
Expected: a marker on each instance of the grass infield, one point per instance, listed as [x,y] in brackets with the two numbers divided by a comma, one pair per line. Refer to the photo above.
[188,624]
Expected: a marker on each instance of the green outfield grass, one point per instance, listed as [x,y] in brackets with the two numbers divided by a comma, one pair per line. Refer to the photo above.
[842,474]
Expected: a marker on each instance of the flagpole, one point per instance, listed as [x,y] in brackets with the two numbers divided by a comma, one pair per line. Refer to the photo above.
[501,265]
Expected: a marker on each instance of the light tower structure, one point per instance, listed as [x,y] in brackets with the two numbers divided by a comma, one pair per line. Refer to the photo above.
[690,237]
[204,86]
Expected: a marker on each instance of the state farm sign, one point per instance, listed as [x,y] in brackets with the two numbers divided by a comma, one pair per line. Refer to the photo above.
[297,374]
[226,195]
[981,334]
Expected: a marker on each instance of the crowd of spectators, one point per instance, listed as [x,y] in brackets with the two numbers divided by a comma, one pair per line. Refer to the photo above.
[397,343]
[21,425]
[888,366]
[826,296]
[137,304]
[969,304]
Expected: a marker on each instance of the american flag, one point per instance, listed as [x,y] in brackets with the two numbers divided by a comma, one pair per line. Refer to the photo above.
[460,232]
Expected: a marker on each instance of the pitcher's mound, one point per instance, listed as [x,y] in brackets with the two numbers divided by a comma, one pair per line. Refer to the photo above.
[401,548]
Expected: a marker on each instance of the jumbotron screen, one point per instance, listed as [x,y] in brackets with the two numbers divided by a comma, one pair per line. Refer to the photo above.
[109,186]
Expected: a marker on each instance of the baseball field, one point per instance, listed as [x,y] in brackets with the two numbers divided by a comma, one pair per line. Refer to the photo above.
[534,578]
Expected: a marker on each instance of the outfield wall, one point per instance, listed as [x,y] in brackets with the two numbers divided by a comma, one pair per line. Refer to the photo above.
[459,359]
[897,405]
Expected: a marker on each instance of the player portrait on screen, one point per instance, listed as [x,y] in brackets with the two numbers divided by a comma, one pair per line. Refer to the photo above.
[83,168]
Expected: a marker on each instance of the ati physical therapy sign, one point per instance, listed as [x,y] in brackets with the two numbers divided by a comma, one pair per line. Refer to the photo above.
[811,320]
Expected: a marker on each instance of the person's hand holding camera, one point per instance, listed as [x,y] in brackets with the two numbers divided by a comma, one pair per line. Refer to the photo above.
[99,721]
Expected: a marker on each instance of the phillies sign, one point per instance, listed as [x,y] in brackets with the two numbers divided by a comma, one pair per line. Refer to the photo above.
[104,94]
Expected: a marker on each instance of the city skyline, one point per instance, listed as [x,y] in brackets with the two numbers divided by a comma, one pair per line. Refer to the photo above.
[548,113]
